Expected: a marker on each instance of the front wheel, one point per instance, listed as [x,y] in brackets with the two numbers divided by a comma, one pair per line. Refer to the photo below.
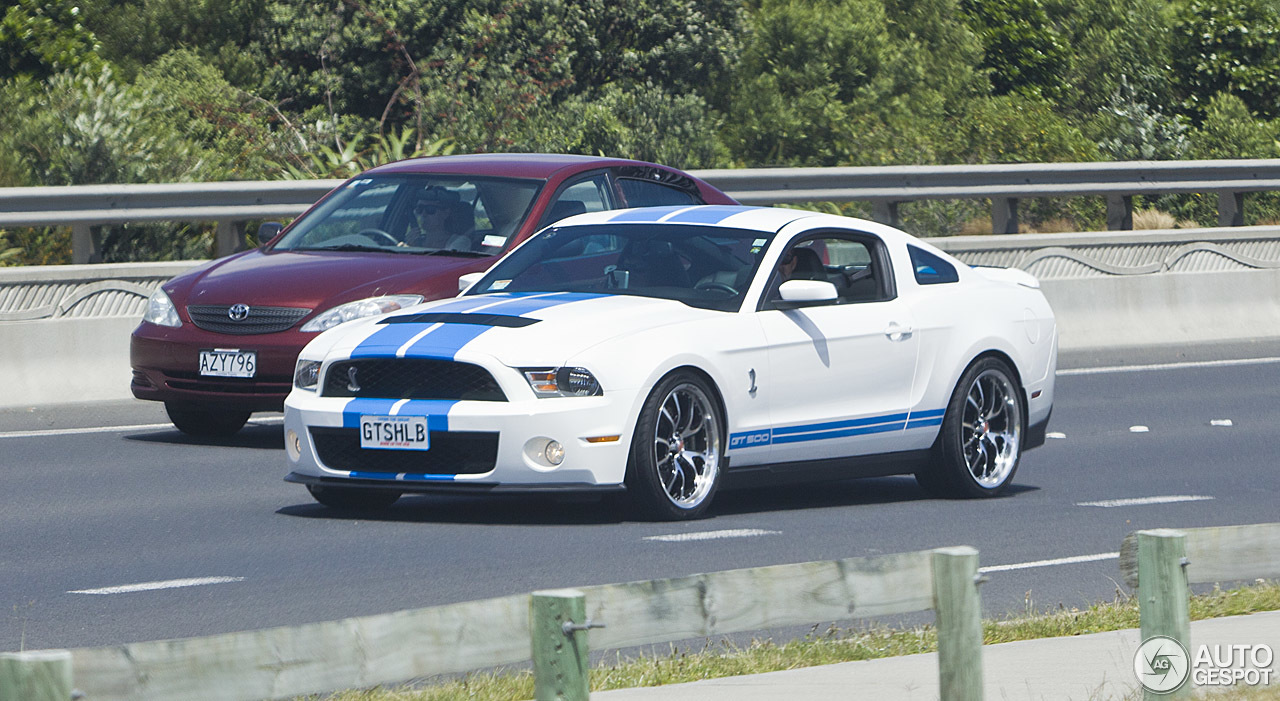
[677,450]
[205,423]
[980,444]
[353,499]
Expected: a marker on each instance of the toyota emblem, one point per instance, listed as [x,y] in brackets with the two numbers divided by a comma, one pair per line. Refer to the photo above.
[238,312]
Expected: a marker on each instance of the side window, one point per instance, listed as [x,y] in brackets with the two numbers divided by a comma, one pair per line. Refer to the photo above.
[642,193]
[854,265]
[931,269]
[590,195]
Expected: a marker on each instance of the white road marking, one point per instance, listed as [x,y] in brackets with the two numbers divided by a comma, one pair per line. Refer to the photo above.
[1220,422]
[153,586]
[1168,366]
[711,535]
[1050,563]
[1055,434]
[1139,429]
[1144,501]
[113,429]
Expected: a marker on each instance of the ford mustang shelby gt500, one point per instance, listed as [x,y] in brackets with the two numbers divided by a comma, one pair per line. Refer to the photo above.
[667,350]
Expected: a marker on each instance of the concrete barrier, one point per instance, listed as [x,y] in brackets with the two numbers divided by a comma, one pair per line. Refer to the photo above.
[64,330]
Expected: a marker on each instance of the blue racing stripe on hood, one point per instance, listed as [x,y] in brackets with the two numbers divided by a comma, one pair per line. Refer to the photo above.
[436,411]
[392,336]
[446,340]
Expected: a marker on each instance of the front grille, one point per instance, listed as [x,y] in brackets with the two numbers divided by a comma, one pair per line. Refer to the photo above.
[213,317]
[451,453]
[411,378]
[262,385]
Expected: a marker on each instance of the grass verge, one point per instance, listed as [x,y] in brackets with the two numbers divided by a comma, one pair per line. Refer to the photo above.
[837,644]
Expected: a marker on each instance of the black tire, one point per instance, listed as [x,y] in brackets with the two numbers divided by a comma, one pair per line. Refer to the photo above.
[353,499]
[205,423]
[677,452]
[979,447]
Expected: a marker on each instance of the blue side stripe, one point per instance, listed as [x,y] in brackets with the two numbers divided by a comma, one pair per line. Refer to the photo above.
[921,423]
[870,420]
[861,431]
[927,414]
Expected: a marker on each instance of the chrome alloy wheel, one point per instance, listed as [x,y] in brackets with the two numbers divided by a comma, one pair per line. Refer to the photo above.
[991,429]
[686,445]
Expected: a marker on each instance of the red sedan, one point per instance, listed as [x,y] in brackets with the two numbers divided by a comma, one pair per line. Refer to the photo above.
[219,342]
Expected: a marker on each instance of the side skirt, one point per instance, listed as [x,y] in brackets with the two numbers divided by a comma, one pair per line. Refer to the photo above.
[831,469]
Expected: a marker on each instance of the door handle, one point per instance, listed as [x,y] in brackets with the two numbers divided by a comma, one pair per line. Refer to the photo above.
[898,332]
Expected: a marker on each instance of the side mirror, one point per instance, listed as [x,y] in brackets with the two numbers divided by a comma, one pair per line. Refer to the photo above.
[805,293]
[468,280]
[268,230]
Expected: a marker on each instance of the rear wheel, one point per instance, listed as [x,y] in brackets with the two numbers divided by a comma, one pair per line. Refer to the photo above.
[677,450]
[980,444]
[353,499]
[205,423]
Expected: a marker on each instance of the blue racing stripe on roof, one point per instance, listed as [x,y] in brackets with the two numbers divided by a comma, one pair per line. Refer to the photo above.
[711,214]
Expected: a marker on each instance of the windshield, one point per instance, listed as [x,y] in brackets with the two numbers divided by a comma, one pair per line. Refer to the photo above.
[702,266]
[424,214]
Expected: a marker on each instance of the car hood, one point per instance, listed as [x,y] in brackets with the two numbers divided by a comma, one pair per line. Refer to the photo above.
[317,279]
[519,330]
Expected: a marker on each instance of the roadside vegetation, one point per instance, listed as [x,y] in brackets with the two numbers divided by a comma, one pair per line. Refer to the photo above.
[134,91]
[837,644]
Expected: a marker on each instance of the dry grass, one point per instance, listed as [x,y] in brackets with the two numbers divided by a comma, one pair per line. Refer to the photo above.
[835,644]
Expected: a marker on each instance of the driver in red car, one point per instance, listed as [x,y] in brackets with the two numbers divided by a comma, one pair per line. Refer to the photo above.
[437,221]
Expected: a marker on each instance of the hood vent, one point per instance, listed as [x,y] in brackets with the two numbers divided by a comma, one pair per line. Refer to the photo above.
[511,322]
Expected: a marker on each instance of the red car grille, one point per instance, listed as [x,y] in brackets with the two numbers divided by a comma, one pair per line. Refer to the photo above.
[216,318]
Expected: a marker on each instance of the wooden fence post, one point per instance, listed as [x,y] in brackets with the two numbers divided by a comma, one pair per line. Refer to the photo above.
[1163,595]
[40,675]
[557,626]
[959,613]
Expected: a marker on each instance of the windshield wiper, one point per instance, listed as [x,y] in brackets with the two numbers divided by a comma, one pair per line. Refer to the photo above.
[448,252]
[351,247]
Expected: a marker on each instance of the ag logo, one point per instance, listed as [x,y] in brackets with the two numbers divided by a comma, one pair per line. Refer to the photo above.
[1161,664]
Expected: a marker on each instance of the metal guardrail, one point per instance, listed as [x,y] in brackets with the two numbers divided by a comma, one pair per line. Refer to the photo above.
[553,629]
[231,204]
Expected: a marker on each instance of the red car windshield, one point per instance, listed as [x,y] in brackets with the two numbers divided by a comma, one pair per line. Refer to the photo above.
[416,213]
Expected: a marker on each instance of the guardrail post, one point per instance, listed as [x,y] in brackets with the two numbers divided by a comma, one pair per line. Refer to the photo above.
[228,238]
[959,613]
[1119,212]
[41,675]
[885,212]
[557,625]
[1004,215]
[1230,208]
[1163,595]
[86,244]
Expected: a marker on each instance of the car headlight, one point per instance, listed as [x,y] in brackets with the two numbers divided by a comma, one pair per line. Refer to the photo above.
[160,310]
[358,310]
[306,375]
[562,382]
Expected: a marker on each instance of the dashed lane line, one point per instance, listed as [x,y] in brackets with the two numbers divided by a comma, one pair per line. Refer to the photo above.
[711,535]
[1074,559]
[154,586]
[1144,501]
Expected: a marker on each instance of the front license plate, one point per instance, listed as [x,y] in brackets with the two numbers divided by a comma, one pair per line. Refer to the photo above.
[221,362]
[394,432]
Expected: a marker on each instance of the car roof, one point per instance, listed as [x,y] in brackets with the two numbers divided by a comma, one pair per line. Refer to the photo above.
[766,219]
[516,165]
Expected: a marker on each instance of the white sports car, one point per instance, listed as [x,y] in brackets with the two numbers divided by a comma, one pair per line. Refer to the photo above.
[667,351]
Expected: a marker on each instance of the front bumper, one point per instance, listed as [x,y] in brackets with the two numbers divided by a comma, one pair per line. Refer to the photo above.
[166,367]
[482,446]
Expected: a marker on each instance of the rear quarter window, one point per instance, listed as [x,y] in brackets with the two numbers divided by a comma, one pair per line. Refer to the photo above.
[931,269]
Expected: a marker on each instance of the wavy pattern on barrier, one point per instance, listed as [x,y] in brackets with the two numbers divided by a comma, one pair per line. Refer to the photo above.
[56,300]
[1058,262]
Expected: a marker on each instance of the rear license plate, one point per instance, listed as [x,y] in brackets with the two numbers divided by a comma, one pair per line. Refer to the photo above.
[394,432]
[223,362]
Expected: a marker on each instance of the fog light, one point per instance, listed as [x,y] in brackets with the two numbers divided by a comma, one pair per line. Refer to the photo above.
[293,444]
[554,452]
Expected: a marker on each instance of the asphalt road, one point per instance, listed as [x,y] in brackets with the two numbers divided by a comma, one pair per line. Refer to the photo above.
[96,510]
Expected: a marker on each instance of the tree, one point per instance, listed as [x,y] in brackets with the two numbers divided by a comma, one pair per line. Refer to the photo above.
[41,37]
[1228,46]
